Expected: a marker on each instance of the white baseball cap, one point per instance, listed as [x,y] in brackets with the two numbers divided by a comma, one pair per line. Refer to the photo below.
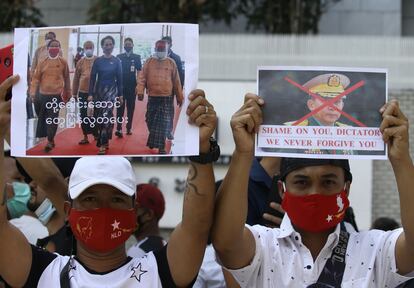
[110,170]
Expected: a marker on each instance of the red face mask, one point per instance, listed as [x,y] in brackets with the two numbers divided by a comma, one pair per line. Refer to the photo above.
[315,213]
[54,51]
[102,229]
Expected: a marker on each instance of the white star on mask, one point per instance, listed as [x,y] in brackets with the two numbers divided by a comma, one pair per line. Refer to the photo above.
[115,225]
[329,218]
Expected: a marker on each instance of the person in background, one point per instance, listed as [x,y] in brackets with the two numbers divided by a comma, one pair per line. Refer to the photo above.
[151,206]
[105,87]
[79,55]
[51,79]
[131,65]
[80,88]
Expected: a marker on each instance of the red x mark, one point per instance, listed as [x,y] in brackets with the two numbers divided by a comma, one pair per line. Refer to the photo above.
[327,102]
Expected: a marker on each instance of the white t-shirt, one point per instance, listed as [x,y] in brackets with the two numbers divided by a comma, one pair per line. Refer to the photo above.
[211,274]
[151,270]
[281,259]
[148,244]
[31,227]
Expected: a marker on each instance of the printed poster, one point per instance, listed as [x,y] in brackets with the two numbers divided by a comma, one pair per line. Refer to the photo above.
[104,89]
[322,112]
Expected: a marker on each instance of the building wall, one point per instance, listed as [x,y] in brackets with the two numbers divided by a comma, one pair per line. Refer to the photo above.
[385,195]
[63,12]
[362,17]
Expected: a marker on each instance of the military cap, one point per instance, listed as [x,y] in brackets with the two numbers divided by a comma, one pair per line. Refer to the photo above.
[328,85]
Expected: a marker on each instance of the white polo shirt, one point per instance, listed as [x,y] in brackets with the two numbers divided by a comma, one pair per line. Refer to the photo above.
[281,259]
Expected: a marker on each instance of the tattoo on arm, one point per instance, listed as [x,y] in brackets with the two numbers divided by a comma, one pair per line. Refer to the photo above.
[190,187]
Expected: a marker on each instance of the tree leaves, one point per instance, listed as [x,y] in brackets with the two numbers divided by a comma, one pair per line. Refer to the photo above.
[19,13]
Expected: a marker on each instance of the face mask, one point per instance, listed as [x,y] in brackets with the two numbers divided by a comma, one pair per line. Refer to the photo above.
[45,211]
[160,55]
[54,52]
[88,53]
[17,205]
[47,41]
[315,213]
[102,229]
[128,49]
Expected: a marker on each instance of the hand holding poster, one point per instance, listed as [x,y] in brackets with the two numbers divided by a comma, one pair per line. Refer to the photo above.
[105,89]
[321,112]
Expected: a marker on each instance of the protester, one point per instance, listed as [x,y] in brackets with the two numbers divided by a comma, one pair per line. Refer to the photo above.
[315,195]
[105,88]
[160,79]
[51,79]
[80,89]
[131,65]
[101,213]
[151,206]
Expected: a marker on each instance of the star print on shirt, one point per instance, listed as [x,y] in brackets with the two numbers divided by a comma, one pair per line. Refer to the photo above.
[137,272]
[71,267]
[115,225]
[329,218]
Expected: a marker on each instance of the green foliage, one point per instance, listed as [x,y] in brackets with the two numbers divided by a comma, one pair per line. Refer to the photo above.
[271,16]
[19,13]
[185,11]
[284,17]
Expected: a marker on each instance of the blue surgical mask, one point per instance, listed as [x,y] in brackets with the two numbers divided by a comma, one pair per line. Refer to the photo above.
[45,211]
[17,205]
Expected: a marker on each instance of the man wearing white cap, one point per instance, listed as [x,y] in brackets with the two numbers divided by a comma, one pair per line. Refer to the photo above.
[102,215]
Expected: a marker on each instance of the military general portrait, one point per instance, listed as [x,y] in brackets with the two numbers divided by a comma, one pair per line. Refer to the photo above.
[329,111]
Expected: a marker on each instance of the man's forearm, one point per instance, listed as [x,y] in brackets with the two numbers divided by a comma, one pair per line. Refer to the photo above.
[199,198]
[404,175]
[231,203]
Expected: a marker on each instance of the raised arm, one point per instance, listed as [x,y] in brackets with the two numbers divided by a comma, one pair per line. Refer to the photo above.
[188,241]
[394,128]
[15,252]
[48,177]
[233,242]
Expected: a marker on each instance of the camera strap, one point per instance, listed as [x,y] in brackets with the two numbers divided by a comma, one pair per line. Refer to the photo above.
[333,272]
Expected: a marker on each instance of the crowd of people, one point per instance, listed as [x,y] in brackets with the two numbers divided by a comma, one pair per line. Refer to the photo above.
[101,84]
[271,222]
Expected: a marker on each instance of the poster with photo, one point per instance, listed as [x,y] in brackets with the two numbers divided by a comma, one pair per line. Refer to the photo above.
[116,89]
[321,112]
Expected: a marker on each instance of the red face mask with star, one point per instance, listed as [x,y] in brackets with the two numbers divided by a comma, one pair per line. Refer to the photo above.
[102,229]
[316,212]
